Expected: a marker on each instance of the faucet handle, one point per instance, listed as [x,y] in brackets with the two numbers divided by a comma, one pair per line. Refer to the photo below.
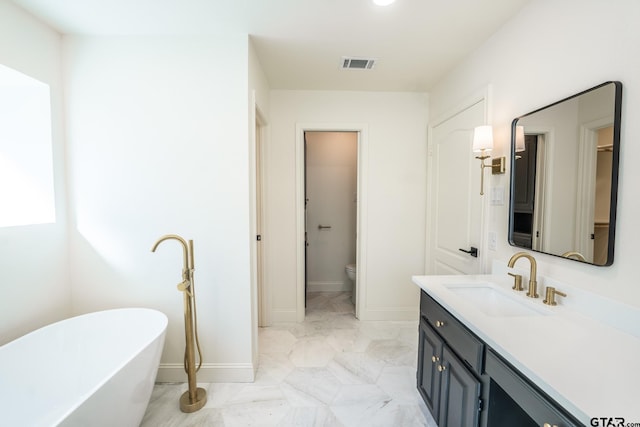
[550,296]
[517,282]
[185,286]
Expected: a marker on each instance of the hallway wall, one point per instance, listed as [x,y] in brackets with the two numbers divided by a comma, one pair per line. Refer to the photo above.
[395,199]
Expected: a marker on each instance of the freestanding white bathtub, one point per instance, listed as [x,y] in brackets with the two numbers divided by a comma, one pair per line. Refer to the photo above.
[97,369]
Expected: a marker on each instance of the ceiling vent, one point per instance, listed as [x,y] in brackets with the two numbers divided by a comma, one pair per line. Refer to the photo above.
[350,63]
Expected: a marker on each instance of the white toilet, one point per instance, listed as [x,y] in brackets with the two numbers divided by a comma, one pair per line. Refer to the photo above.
[351,272]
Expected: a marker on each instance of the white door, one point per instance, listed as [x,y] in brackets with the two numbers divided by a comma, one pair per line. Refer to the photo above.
[455,211]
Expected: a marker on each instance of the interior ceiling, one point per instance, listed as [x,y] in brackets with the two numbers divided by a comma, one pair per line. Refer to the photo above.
[300,43]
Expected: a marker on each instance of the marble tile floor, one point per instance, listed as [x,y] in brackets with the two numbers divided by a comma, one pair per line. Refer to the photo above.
[331,370]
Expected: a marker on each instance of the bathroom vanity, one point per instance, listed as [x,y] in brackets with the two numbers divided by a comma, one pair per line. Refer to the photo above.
[491,357]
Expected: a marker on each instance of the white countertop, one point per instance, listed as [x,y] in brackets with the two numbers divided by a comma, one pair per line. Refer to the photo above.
[590,368]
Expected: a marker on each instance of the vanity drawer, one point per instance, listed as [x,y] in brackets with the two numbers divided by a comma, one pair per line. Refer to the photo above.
[468,347]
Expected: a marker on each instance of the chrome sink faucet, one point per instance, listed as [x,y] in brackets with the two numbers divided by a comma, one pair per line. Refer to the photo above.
[532,292]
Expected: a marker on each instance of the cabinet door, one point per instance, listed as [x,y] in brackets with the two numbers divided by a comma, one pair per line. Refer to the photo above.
[429,355]
[459,393]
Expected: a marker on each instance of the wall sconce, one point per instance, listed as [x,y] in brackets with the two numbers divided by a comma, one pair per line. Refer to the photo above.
[482,143]
[519,141]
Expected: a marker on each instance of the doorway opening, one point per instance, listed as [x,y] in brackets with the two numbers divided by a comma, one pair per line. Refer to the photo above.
[530,199]
[360,133]
[331,206]
[595,164]
[604,165]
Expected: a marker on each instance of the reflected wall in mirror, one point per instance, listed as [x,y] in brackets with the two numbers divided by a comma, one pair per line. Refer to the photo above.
[564,176]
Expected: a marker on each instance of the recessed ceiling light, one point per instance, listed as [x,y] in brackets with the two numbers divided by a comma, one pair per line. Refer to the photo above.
[383,2]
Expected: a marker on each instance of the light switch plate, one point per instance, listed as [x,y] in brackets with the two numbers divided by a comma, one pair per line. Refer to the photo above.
[493,240]
[497,196]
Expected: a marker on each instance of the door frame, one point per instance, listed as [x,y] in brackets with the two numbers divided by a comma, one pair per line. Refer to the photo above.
[264,297]
[483,95]
[362,129]
[260,295]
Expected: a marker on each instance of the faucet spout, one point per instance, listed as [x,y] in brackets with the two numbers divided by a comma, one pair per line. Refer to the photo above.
[185,251]
[532,292]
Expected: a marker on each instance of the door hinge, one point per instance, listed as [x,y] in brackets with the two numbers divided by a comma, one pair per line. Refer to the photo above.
[480,405]
[259,238]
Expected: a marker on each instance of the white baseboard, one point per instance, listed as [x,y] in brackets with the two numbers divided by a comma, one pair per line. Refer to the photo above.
[284,316]
[392,313]
[328,286]
[208,373]
[389,314]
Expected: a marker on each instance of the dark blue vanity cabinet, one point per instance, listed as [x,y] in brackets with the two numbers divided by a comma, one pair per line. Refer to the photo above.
[464,383]
[449,366]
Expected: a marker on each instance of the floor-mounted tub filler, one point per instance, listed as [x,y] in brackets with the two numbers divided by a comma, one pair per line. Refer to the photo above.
[96,369]
[195,397]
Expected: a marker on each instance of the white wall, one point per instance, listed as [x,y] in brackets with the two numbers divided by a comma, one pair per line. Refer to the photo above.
[331,190]
[34,263]
[158,144]
[549,51]
[395,201]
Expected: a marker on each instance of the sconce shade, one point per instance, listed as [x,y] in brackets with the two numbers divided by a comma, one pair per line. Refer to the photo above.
[482,138]
[520,139]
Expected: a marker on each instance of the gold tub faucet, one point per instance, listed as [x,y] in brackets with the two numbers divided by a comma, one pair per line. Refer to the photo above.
[532,292]
[195,397]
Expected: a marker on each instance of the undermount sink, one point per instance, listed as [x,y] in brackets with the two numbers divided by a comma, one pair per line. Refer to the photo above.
[494,302]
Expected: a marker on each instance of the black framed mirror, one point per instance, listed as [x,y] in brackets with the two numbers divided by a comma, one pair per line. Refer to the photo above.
[564,176]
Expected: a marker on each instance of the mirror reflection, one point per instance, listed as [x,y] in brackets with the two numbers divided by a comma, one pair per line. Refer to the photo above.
[564,176]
